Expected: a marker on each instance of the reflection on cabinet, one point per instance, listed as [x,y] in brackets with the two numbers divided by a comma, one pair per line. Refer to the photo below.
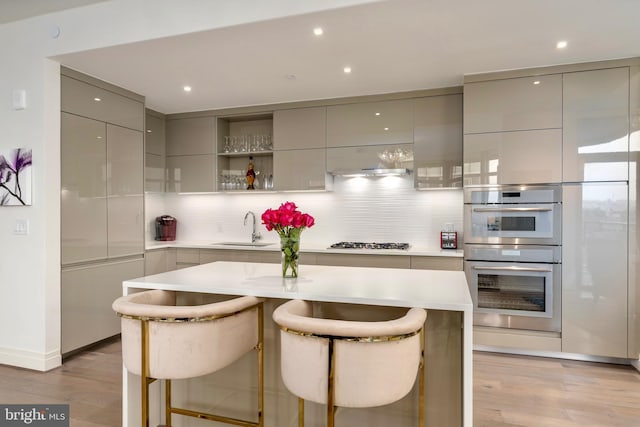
[239,140]
[370,123]
[155,152]
[369,157]
[86,296]
[525,157]
[594,269]
[87,100]
[300,169]
[299,128]
[83,202]
[595,125]
[191,165]
[438,141]
[522,103]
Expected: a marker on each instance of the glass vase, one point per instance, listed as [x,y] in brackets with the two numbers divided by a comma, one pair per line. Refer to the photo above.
[290,246]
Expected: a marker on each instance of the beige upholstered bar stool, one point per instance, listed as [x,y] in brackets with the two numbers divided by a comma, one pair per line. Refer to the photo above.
[352,364]
[163,341]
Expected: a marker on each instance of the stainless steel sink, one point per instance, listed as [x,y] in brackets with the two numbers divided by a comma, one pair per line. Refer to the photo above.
[249,244]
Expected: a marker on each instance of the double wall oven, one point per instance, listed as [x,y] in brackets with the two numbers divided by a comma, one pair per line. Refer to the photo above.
[513,254]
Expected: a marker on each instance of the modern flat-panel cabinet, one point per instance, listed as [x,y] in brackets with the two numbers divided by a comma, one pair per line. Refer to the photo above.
[437,134]
[370,123]
[154,152]
[299,153]
[520,157]
[594,269]
[83,196]
[522,103]
[368,157]
[191,160]
[596,125]
[299,169]
[299,128]
[125,193]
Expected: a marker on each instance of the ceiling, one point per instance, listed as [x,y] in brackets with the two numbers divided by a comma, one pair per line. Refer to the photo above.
[15,10]
[391,46]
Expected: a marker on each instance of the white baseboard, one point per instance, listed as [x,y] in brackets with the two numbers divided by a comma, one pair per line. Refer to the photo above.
[636,364]
[30,359]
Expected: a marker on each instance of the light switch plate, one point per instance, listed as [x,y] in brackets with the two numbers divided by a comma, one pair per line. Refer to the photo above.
[21,227]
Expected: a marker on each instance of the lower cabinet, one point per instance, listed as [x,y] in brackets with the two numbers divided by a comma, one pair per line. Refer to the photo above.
[87,293]
[594,270]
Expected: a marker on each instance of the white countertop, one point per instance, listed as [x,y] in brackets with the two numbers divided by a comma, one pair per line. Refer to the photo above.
[413,250]
[431,289]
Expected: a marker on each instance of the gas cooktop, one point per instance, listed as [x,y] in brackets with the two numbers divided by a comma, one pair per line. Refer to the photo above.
[373,245]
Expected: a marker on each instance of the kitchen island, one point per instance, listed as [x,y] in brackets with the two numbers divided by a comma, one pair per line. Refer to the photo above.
[350,292]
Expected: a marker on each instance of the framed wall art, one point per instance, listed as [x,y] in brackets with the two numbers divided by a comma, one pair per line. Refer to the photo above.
[15,177]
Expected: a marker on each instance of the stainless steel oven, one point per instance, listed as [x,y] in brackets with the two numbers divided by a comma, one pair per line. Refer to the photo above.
[512,255]
[515,215]
[515,286]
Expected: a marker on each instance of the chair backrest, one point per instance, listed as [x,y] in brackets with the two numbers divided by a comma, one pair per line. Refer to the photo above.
[375,362]
[186,341]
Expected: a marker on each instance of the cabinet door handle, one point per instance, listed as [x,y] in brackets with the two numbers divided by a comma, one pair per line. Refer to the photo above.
[512,209]
[514,268]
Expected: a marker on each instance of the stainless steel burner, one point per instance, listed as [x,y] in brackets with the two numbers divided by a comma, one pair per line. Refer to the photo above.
[366,245]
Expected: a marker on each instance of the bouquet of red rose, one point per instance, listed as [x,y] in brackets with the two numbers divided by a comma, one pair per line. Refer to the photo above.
[288,222]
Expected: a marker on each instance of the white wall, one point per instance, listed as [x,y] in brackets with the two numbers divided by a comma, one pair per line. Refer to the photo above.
[359,209]
[30,265]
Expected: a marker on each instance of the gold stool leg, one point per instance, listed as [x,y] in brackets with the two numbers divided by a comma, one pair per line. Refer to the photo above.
[260,365]
[144,372]
[421,380]
[300,412]
[331,409]
[167,403]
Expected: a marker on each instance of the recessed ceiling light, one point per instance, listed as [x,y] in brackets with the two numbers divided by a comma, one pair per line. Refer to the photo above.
[377,114]
[148,130]
[318,31]
[187,88]
[347,70]
[386,128]
[537,82]
[97,99]
[561,44]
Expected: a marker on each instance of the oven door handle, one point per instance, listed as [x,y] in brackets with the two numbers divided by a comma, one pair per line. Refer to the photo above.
[512,209]
[533,269]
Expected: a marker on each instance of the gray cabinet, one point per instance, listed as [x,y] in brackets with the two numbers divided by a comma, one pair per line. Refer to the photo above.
[437,122]
[299,128]
[83,201]
[191,160]
[370,123]
[86,296]
[596,125]
[368,157]
[95,102]
[522,157]
[594,269]
[299,169]
[155,152]
[522,103]
[101,190]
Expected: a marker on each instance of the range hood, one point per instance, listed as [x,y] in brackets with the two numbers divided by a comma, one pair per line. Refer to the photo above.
[370,172]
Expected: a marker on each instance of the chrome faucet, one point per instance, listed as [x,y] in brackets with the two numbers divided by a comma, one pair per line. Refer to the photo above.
[254,234]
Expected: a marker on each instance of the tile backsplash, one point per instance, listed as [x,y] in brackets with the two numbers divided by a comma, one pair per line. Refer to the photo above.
[359,209]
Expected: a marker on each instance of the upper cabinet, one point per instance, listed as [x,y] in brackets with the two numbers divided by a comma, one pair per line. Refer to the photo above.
[300,128]
[596,125]
[155,152]
[299,156]
[523,103]
[370,123]
[101,104]
[438,141]
[190,159]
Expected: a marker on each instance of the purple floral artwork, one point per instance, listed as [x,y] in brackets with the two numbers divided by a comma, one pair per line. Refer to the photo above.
[15,178]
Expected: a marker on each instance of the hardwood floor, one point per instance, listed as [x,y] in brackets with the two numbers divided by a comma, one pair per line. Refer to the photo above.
[508,390]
